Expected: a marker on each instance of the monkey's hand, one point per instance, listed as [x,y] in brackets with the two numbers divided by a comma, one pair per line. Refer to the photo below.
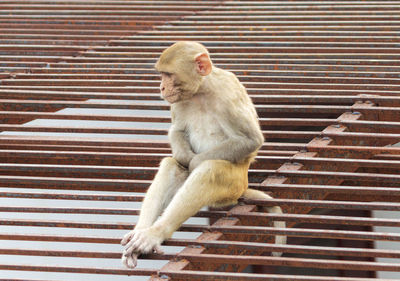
[195,162]
[136,242]
[181,149]
[183,157]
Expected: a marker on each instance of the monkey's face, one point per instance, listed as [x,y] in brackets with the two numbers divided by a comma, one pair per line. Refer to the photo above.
[182,67]
[172,89]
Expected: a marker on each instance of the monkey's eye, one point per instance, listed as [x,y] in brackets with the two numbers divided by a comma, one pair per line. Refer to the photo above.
[167,74]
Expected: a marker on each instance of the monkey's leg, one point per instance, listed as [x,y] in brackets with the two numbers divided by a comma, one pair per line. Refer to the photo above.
[213,181]
[256,194]
[167,181]
[169,178]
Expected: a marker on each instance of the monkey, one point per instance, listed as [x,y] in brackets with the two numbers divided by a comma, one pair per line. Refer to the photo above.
[214,137]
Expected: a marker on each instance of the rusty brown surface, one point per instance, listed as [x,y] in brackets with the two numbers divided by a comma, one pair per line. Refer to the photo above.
[324,76]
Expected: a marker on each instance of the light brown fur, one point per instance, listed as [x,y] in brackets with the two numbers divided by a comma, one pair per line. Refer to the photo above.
[214,137]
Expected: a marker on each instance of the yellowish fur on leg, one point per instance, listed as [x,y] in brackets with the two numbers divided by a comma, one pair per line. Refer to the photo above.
[213,182]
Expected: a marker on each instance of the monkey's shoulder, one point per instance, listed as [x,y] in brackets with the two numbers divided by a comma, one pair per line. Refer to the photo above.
[225,76]
[229,83]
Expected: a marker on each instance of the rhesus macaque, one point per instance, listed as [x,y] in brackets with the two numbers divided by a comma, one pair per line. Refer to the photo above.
[214,137]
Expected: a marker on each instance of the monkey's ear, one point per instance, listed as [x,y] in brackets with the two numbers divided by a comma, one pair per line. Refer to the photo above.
[203,64]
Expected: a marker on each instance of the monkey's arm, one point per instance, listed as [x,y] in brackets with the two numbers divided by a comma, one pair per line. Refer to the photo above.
[244,138]
[181,149]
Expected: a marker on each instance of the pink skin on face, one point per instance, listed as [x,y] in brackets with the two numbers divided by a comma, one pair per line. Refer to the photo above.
[168,92]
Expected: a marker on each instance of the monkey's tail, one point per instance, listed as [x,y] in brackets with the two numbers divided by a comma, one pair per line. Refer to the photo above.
[279,239]
[256,194]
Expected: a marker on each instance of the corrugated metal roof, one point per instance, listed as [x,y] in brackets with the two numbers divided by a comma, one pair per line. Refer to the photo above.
[84,129]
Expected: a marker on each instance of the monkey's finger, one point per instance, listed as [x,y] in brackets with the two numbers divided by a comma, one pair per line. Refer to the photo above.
[128,251]
[124,260]
[125,240]
[132,261]
[125,253]
[127,237]
[157,249]
[130,248]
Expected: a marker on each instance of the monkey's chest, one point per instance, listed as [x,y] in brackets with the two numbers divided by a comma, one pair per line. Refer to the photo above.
[204,133]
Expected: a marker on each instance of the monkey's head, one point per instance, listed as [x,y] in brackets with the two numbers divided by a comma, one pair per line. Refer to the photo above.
[183,67]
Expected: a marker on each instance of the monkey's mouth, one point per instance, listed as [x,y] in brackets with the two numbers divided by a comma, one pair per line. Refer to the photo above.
[170,98]
[172,95]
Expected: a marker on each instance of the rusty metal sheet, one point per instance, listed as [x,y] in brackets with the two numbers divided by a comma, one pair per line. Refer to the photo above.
[324,76]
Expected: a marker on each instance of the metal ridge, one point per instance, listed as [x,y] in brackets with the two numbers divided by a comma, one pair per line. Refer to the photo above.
[83,129]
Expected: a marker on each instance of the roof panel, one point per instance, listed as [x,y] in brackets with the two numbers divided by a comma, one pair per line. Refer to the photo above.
[83,129]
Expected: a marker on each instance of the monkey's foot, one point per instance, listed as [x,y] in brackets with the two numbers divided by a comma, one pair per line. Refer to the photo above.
[142,241]
[130,261]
